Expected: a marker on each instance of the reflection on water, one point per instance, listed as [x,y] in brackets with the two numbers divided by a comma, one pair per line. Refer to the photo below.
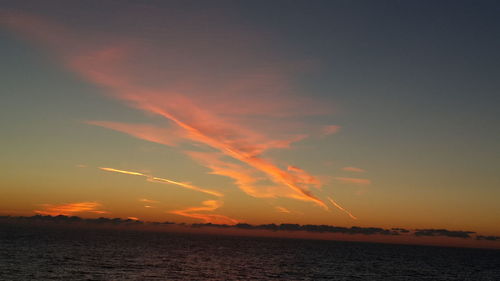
[32,253]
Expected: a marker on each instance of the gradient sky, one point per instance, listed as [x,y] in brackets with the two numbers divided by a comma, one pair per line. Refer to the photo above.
[369,113]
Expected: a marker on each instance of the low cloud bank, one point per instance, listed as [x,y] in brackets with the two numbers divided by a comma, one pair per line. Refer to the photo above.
[306,227]
[489,238]
[443,232]
[285,227]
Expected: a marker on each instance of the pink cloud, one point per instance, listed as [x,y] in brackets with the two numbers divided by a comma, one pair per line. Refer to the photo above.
[209,91]
[147,132]
[330,130]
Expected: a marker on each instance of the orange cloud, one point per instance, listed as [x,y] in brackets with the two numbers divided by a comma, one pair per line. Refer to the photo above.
[70,209]
[353,169]
[162,180]
[235,111]
[342,209]
[304,177]
[353,180]
[250,181]
[199,213]
[282,209]
[148,200]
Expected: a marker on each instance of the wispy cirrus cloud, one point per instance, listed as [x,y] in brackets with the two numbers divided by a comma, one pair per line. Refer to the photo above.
[163,180]
[330,130]
[282,210]
[237,110]
[70,209]
[165,136]
[342,209]
[200,212]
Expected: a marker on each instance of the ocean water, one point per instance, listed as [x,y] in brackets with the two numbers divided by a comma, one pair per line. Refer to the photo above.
[35,253]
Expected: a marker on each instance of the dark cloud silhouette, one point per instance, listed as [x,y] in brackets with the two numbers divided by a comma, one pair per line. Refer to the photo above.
[489,238]
[74,220]
[307,227]
[400,230]
[443,232]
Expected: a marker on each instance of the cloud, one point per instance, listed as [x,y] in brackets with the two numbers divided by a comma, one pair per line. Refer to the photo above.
[163,180]
[221,221]
[401,230]
[342,209]
[165,136]
[488,238]
[250,181]
[148,201]
[353,169]
[330,130]
[443,232]
[357,181]
[304,177]
[122,172]
[200,213]
[307,227]
[238,108]
[282,209]
[70,209]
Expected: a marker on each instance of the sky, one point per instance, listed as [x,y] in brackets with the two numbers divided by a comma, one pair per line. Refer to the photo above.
[349,113]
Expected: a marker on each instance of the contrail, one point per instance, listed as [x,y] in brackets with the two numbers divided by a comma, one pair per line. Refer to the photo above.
[185,185]
[342,209]
[162,180]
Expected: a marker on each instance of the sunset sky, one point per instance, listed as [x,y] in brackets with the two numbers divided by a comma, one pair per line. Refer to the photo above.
[367,113]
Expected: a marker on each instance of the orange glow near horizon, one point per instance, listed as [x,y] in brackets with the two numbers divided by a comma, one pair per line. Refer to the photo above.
[200,213]
[237,131]
[70,209]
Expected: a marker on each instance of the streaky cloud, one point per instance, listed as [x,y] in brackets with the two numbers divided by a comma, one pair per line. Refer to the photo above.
[163,180]
[199,212]
[282,210]
[330,130]
[70,209]
[342,209]
[218,111]
[165,136]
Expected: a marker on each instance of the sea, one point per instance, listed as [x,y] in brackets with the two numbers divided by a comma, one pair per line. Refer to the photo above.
[48,253]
